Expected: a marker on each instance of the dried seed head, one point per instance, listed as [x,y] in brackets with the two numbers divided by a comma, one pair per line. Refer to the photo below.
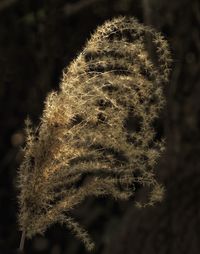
[96,135]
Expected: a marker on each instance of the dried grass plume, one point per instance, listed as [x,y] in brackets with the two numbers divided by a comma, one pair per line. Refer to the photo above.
[96,135]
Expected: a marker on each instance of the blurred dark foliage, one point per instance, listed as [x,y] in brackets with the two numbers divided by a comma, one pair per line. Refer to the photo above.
[37,40]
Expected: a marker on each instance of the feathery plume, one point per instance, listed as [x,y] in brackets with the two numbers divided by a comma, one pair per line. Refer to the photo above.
[96,135]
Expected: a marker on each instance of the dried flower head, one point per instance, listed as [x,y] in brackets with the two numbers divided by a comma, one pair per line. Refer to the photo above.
[96,135]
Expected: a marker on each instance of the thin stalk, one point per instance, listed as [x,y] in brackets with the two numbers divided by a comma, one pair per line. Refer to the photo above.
[21,246]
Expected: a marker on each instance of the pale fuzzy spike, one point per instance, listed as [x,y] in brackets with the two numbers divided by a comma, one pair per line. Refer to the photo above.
[96,135]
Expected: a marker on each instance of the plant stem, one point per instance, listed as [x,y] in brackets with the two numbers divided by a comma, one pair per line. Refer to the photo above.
[21,246]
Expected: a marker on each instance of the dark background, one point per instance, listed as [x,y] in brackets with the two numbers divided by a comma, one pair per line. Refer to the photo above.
[37,40]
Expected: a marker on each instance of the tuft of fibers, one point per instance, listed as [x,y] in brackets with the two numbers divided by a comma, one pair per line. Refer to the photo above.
[96,136]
